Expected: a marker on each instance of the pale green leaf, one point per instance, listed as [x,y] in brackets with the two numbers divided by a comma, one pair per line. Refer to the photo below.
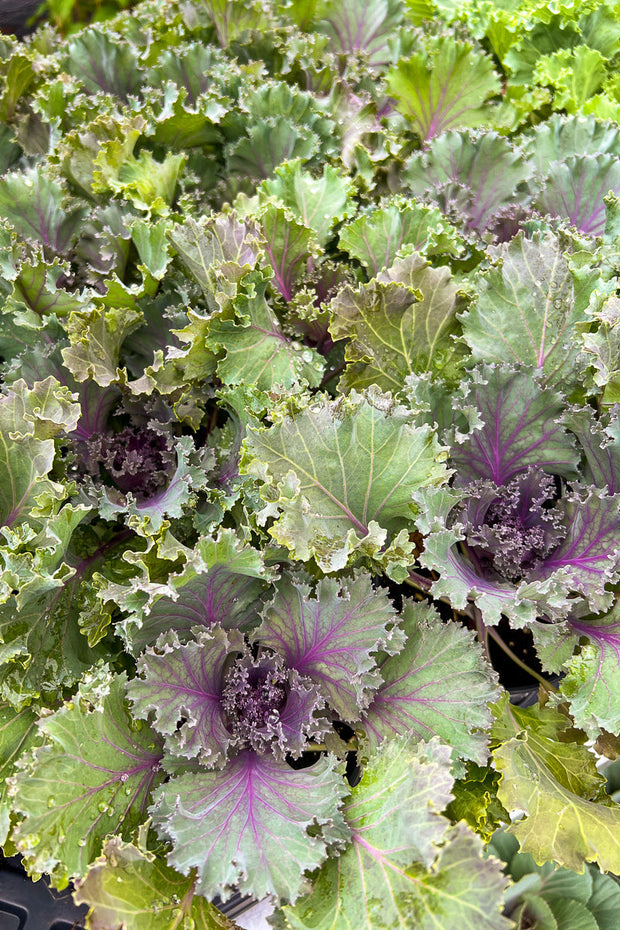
[340,475]
[397,324]
[592,682]
[218,253]
[29,417]
[18,734]
[376,237]
[566,817]
[526,309]
[437,685]
[92,777]
[257,351]
[575,75]
[406,868]
[129,888]
[317,202]
[96,338]
[444,86]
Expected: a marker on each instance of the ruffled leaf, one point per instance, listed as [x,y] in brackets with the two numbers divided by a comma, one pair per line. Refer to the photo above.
[397,324]
[520,429]
[36,207]
[232,18]
[93,776]
[376,237]
[182,687]
[246,827]
[557,787]
[330,637]
[556,139]
[476,179]
[126,886]
[318,203]
[218,253]
[29,417]
[257,351]
[339,476]
[600,444]
[355,27]
[587,558]
[444,86]
[526,310]
[44,649]
[437,685]
[104,62]
[592,682]
[18,734]
[575,191]
[575,75]
[96,338]
[221,584]
[406,866]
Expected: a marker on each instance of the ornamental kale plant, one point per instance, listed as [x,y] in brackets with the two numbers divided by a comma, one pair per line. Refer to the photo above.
[309,458]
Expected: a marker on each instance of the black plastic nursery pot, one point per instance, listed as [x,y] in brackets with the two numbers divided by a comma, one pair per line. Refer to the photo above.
[28,905]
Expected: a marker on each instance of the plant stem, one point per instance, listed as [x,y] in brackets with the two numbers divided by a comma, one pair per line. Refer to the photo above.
[515,658]
[419,581]
[332,374]
[481,630]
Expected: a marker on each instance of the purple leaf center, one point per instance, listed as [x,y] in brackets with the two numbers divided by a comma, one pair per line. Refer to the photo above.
[518,529]
[253,695]
[137,459]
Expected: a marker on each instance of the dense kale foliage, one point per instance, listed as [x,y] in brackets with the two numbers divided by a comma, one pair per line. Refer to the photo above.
[306,306]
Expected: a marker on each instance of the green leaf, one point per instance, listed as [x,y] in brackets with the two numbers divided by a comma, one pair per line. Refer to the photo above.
[43,646]
[605,900]
[445,86]
[29,417]
[36,207]
[357,26]
[592,682]
[566,815]
[18,734]
[399,323]
[103,62]
[437,685]
[147,183]
[375,238]
[475,801]
[232,18]
[222,582]
[218,253]
[38,286]
[575,75]
[339,476]
[133,889]
[246,827]
[257,351]
[19,73]
[601,348]
[92,777]
[527,308]
[317,202]
[406,868]
[96,338]
[289,246]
